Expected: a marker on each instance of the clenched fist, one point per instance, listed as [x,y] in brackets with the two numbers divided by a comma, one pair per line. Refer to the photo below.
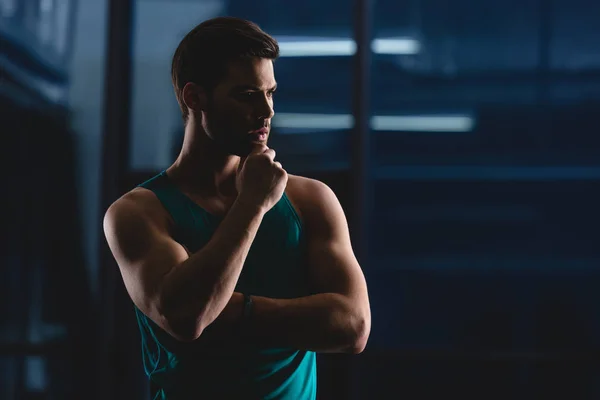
[261,180]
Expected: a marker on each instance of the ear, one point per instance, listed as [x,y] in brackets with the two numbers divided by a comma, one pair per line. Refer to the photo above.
[194,97]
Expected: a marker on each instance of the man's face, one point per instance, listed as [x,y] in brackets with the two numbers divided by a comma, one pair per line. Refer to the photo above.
[239,110]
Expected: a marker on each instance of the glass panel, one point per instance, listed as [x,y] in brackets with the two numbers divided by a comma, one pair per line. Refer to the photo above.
[441,63]
[573,53]
[485,105]
[485,195]
[36,44]
[41,27]
[156,120]
[575,35]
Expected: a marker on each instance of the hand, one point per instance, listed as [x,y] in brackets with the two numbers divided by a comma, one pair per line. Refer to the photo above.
[261,180]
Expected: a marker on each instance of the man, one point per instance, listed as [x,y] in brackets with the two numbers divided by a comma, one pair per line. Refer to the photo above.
[238,271]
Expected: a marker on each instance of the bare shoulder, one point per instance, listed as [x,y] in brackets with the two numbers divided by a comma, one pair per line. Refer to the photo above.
[311,197]
[137,207]
[307,189]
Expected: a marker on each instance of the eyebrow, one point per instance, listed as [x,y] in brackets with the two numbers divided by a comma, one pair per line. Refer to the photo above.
[242,88]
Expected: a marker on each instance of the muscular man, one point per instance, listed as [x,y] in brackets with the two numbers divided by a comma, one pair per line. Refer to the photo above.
[239,272]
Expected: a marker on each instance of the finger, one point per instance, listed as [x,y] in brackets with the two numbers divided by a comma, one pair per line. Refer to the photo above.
[258,148]
[270,153]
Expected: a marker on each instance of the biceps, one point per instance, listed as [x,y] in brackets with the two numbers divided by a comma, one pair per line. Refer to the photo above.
[144,259]
[143,278]
[334,268]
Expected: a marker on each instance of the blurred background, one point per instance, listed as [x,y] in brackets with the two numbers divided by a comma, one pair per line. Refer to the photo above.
[461,138]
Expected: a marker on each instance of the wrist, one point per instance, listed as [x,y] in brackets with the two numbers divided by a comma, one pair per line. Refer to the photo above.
[232,312]
[249,206]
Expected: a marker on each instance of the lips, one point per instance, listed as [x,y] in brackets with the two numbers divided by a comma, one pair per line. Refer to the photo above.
[260,131]
[258,136]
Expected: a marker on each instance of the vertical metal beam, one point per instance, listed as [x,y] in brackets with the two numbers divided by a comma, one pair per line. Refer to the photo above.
[361,146]
[546,14]
[111,370]
[361,154]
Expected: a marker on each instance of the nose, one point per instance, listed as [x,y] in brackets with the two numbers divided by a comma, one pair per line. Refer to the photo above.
[265,108]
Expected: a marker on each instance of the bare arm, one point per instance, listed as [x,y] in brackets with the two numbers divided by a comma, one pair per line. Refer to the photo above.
[338,318]
[182,294]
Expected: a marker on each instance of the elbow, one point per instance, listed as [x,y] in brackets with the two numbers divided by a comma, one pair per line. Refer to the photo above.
[180,325]
[361,337]
[184,330]
[358,346]
[360,330]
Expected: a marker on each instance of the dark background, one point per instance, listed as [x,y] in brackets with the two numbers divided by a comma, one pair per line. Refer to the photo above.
[467,163]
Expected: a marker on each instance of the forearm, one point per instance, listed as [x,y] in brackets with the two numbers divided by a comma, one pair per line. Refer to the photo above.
[327,322]
[197,291]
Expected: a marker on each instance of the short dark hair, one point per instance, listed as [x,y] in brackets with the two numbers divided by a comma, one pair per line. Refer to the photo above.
[203,54]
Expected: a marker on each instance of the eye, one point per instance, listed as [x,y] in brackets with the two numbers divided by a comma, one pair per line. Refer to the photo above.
[245,96]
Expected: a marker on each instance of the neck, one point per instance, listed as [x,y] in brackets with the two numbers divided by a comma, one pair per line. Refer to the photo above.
[202,167]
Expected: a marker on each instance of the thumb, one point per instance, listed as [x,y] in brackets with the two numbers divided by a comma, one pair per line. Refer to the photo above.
[256,149]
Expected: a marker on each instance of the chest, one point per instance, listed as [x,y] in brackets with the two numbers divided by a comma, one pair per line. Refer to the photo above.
[276,264]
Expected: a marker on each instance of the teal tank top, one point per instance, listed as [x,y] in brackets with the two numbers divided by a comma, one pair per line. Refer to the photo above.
[275,267]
